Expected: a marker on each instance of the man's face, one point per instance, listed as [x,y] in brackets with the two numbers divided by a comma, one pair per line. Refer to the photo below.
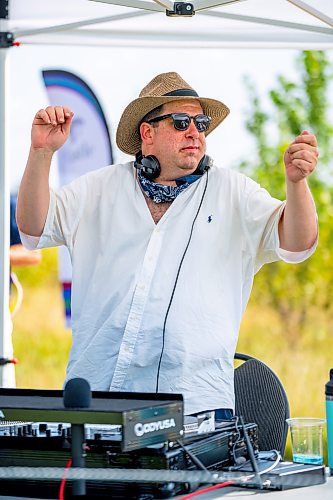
[178,152]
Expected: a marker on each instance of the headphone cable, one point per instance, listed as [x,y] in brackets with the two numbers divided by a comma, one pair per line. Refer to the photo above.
[176,281]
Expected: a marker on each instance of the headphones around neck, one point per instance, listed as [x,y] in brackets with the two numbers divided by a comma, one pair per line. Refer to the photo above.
[150,168]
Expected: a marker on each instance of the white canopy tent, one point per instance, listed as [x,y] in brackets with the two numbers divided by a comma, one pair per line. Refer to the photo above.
[294,24]
[133,22]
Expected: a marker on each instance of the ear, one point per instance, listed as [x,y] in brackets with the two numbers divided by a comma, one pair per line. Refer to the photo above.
[146,133]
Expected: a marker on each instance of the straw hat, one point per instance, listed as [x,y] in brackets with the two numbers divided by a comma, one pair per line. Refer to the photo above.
[166,87]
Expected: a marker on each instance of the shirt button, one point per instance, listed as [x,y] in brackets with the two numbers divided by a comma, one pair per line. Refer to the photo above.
[142,286]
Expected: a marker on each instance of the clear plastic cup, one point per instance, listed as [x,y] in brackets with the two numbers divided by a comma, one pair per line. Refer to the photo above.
[307,439]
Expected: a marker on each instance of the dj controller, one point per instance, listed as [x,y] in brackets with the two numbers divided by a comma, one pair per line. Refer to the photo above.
[157,440]
[49,445]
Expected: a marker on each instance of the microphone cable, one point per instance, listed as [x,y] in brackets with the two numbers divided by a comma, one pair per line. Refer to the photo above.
[176,281]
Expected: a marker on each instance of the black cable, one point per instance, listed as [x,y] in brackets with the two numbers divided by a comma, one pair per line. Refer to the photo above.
[194,459]
[175,284]
[238,438]
[251,454]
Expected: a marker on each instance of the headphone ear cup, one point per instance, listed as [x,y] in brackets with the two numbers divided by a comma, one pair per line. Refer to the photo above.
[204,164]
[149,166]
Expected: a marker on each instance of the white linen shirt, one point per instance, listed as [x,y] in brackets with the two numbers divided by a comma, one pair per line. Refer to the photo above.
[124,272]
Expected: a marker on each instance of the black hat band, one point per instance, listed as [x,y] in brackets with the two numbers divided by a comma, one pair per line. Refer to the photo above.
[181,92]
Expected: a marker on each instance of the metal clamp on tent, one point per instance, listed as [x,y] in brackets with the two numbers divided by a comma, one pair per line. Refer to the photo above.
[6,39]
[4,9]
[172,9]
[181,9]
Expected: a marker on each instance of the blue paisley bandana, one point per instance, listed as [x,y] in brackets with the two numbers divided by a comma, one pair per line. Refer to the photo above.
[162,194]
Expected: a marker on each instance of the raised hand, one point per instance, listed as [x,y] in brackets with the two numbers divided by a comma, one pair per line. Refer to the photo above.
[51,128]
[301,157]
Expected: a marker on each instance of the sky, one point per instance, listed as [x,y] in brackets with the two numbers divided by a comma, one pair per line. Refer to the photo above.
[116,75]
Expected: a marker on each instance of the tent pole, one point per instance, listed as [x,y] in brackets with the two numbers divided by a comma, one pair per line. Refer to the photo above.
[7,372]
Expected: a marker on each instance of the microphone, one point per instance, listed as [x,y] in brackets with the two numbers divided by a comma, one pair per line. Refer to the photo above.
[77,394]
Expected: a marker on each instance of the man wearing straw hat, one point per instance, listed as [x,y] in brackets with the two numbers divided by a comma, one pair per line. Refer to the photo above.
[164,248]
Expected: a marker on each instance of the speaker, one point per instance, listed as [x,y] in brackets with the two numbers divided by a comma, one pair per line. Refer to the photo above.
[150,168]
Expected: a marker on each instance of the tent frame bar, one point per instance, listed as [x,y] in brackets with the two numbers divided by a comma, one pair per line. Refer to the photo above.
[313,12]
[7,376]
[80,24]
[198,5]
[225,15]
[271,22]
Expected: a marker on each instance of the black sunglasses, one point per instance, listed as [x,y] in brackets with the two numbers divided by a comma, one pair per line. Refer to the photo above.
[181,121]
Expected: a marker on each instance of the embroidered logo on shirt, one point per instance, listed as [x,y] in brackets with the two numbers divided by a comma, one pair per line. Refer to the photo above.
[210,218]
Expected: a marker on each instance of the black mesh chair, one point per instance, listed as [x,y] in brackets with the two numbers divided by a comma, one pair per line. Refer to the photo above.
[261,398]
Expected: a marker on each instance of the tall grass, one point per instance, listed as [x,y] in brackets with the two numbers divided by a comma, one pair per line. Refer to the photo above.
[41,341]
[303,370]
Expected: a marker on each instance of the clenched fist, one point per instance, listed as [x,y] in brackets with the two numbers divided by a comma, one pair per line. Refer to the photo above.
[301,157]
[51,128]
